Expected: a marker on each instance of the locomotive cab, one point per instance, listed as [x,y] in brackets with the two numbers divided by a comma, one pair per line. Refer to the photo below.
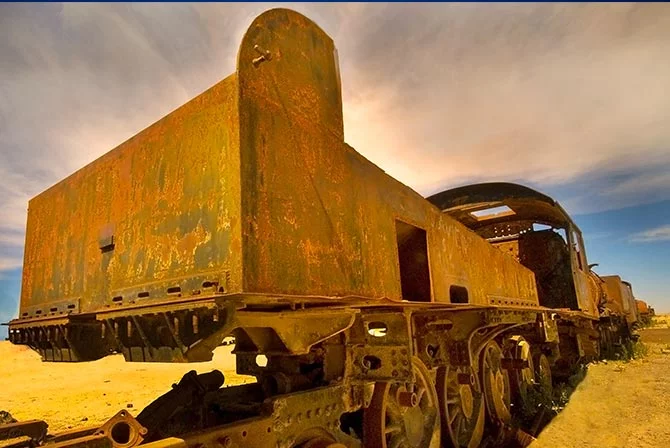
[536,231]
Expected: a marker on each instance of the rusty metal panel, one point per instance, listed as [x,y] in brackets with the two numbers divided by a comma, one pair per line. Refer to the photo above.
[157,212]
[255,432]
[614,294]
[35,430]
[619,298]
[318,218]
[642,307]
[250,188]
[586,292]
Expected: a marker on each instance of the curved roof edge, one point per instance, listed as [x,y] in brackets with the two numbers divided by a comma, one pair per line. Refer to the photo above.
[485,192]
[525,202]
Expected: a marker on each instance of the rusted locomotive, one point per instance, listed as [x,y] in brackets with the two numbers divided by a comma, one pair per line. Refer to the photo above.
[369,315]
[644,311]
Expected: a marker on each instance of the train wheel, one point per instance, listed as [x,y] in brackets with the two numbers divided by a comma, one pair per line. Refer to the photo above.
[496,384]
[543,373]
[403,415]
[522,378]
[461,407]
[607,342]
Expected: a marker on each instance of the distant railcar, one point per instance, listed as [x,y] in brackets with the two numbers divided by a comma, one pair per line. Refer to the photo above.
[644,311]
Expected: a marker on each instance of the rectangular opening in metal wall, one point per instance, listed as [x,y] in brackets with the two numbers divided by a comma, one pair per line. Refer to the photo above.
[413,261]
[458,294]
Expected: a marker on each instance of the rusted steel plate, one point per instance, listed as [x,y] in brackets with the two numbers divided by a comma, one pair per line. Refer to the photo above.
[17,442]
[157,211]
[254,432]
[99,441]
[35,429]
[332,229]
[71,434]
[300,330]
[619,298]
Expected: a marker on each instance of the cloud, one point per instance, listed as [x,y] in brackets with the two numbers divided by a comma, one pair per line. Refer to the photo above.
[642,184]
[10,263]
[436,95]
[616,189]
[12,239]
[545,93]
[661,233]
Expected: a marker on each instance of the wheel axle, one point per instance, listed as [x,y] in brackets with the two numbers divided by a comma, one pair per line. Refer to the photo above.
[408,399]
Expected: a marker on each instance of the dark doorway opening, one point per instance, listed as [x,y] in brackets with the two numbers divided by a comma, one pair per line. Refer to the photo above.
[413,258]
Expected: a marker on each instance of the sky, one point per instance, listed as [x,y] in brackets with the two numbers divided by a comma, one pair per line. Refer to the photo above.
[571,99]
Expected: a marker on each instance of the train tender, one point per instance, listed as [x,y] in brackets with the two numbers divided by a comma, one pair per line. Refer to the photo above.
[369,315]
[644,311]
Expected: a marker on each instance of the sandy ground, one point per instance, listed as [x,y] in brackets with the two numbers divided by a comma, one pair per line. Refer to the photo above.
[70,395]
[619,404]
[662,320]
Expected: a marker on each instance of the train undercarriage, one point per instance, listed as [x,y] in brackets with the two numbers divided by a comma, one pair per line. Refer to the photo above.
[397,375]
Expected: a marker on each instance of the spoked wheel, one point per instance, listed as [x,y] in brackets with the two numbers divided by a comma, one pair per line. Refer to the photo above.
[403,415]
[522,375]
[543,373]
[496,384]
[461,406]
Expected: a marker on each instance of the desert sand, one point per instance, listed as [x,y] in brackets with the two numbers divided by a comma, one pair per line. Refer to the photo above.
[67,395]
[619,404]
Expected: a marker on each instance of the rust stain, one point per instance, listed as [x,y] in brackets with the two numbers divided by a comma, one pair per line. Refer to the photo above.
[171,193]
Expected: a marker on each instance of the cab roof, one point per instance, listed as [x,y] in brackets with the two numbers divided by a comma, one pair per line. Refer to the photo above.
[481,205]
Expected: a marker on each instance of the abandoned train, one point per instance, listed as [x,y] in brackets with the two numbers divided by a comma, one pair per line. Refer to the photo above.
[645,312]
[386,319]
